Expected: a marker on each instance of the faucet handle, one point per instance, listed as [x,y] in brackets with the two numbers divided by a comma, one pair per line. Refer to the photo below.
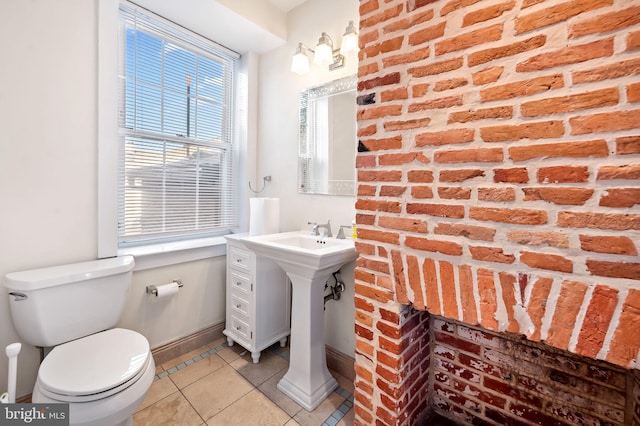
[340,235]
[314,231]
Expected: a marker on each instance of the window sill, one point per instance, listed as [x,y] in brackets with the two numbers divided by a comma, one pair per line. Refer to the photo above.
[159,255]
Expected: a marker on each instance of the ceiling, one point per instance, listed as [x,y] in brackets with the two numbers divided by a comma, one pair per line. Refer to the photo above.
[286,5]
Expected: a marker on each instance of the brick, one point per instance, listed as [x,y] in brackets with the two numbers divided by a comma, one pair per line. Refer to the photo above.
[507,284]
[413,273]
[436,68]
[491,254]
[379,112]
[394,94]
[538,130]
[426,34]
[406,58]
[633,40]
[568,55]
[394,142]
[619,172]
[487,55]
[368,131]
[478,155]
[620,197]
[487,75]
[585,149]
[385,46]
[439,103]
[392,78]
[496,194]
[415,123]
[536,305]
[628,145]
[538,238]
[563,174]
[608,244]
[452,83]
[633,92]
[487,13]
[606,22]
[449,294]
[399,277]
[432,293]
[470,39]
[602,268]
[436,246]
[457,343]
[577,102]
[416,4]
[460,175]
[409,21]
[564,318]
[439,210]
[515,216]
[522,88]
[403,224]
[562,196]
[419,90]
[605,122]
[596,321]
[381,17]
[445,137]
[379,175]
[367,69]
[375,235]
[467,296]
[512,175]
[469,231]
[625,345]
[609,71]
[612,221]
[557,13]
[421,192]
[396,159]
[488,300]
[454,193]
[551,262]
[480,114]
[383,206]
[454,5]
[422,176]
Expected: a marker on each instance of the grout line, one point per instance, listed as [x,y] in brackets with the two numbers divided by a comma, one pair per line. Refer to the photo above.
[332,420]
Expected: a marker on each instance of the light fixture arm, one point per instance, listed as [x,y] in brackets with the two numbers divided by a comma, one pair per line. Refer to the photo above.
[325,54]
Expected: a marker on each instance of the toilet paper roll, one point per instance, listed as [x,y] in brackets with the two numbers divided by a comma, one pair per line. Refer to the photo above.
[167,290]
[264,216]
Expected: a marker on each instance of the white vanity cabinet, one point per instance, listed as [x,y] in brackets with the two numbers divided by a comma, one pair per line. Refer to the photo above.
[258,299]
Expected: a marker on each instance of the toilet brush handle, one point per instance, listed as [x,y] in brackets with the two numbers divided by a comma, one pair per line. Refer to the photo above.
[12,352]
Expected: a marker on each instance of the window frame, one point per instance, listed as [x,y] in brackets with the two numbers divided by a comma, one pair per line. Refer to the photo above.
[164,253]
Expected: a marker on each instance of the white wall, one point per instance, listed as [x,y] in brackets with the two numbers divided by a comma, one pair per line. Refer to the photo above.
[278,142]
[48,166]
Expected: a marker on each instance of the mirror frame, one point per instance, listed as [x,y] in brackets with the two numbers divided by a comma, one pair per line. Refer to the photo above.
[306,147]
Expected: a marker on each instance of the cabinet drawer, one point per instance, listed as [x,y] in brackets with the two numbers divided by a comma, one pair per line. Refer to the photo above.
[240,327]
[238,305]
[240,259]
[239,282]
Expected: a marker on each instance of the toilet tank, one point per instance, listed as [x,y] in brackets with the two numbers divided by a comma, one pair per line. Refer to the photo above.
[53,305]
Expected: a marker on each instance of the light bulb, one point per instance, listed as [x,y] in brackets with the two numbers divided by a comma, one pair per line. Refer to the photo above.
[324,51]
[349,40]
[300,61]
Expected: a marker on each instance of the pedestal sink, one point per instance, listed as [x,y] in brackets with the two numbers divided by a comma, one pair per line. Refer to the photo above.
[308,262]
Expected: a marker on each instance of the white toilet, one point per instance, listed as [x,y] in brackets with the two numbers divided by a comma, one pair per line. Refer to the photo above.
[102,372]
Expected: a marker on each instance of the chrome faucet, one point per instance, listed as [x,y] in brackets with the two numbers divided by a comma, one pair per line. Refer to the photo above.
[317,226]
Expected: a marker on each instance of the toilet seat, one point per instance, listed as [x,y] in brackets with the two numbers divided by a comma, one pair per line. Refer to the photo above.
[94,367]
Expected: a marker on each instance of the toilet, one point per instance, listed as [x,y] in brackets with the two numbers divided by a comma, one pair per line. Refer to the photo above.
[102,372]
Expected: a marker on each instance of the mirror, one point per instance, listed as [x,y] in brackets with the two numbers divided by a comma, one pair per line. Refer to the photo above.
[328,138]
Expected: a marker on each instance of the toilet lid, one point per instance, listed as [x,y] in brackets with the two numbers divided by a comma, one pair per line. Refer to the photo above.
[95,363]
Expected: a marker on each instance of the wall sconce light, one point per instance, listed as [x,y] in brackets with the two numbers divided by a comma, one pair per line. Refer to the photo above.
[324,53]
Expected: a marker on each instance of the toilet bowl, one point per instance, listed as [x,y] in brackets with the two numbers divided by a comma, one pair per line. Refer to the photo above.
[103,377]
[102,372]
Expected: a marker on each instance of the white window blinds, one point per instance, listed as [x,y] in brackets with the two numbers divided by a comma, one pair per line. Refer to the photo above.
[175,121]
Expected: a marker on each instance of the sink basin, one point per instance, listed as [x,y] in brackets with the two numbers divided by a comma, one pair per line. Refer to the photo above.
[308,261]
[305,254]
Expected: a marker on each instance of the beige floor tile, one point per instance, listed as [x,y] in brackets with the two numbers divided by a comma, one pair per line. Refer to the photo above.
[344,383]
[218,390]
[256,374]
[159,389]
[321,413]
[270,389]
[182,358]
[197,370]
[292,422]
[170,411]
[347,420]
[232,353]
[217,342]
[252,409]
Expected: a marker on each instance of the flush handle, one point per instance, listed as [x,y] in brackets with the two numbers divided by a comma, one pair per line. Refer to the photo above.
[18,296]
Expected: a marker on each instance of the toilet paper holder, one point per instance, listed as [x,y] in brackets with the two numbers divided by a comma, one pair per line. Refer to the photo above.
[153,289]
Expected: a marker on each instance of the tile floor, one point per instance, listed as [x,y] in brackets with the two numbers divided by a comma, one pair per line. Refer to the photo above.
[219,385]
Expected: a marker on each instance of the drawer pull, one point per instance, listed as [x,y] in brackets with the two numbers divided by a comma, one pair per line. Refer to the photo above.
[238,328]
[238,283]
[238,306]
[238,260]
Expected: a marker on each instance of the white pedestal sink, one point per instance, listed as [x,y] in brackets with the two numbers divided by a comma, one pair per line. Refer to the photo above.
[308,261]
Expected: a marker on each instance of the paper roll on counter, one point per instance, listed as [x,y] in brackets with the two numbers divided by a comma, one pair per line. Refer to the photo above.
[264,216]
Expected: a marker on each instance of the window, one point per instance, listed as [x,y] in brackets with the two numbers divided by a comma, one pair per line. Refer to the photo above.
[175,163]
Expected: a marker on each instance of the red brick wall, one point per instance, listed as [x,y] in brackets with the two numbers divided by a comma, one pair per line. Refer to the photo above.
[501,186]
